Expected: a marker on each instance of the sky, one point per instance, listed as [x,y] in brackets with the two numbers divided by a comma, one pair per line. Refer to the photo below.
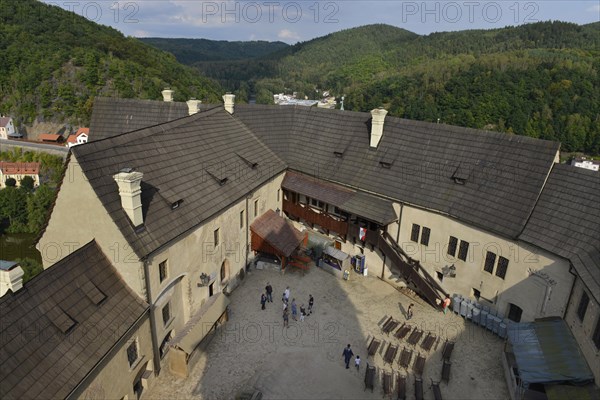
[294,21]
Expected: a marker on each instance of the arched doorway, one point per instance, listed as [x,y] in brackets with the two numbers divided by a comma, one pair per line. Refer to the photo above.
[224,272]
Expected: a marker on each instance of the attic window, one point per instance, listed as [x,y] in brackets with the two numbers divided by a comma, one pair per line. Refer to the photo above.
[338,154]
[176,204]
[459,181]
[221,181]
[60,319]
[92,292]
[126,170]
[461,175]
[384,164]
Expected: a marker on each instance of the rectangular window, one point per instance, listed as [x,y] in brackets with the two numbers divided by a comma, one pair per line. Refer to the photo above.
[162,271]
[596,336]
[502,267]
[278,194]
[255,208]
[583,304]
[425,236]
[490,260]
[476,294]
[464,249]
[440,276]
[452,243]
[166,313]
[242,220]
[132,352]
[414,234]
[216,237]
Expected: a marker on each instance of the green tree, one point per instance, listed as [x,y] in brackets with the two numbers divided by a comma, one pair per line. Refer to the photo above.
[13,206]
[11,182]
[30,267]
[38,206]
[27,183]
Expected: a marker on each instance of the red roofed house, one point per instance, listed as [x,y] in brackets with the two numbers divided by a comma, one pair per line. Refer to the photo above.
[50,137]
[7,128]
[18,171]
[79,137]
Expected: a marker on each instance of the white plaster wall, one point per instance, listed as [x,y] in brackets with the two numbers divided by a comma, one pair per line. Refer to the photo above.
[531,271]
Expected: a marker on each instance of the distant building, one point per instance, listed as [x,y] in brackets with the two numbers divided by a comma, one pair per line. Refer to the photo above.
[18,171]
[11,277]
[50,137]
[7,128]
[79,137]
[582,162]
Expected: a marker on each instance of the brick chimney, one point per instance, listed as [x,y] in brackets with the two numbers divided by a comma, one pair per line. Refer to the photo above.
[378,116]
[167,95]
[131,194]
[229,100]
[193,105]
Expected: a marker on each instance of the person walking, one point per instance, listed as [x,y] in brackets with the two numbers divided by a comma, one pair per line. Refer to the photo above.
[409,312]
[263,300]
[269,290]
[286,320]
[286,294]
[357,362]
[347,354]
[311,301]
[284,305]
[446,304]
[294,310]
[302,312]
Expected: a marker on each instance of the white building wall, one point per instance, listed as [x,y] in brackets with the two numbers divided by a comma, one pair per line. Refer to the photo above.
[536,281]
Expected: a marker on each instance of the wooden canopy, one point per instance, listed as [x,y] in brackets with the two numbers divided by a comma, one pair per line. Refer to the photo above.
[273,234]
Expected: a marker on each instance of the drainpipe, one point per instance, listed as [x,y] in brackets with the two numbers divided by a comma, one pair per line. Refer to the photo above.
[247,230]
[571,293]
[399,224]
[152,319]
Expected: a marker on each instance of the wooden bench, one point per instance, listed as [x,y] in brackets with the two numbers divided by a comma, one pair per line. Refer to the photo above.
[390,353]
[405,357]
[401,387]
[370,377]
[418,388]
[387,383]
[402,331]
[437,393]
[373,346]
[428,342]
[389,326]
[419,365]
[446,371]
[415,336]
[447,351]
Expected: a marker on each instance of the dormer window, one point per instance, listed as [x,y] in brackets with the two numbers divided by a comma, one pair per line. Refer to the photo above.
[384,164]
[338,154]
[176,204]
[460,181]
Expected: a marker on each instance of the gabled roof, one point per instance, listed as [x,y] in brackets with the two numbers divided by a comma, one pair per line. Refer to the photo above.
[113,116]
[58,327]
[51,137]
[82,131]
[193,161]
[4,121]
[277,232]
[566,221]
[500,176]
[21,168]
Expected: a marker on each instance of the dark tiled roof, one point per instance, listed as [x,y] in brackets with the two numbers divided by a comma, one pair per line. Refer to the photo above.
[416,162]
[278,232]
[59,326]
[566,221]
[365,205]
[186,159]
[113,116]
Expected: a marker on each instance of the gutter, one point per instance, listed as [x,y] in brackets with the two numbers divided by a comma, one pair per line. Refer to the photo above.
[155,351]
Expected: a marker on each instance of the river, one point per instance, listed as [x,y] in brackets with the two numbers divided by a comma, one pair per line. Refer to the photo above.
[18,245]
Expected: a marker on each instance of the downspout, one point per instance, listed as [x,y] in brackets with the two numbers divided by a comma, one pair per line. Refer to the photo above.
[152,319]
[247,231]
[399,224]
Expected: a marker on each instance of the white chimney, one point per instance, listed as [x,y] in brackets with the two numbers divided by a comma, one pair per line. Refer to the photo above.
[167,95]
[11,277]
[229,100]
[378,116]
[131,195]
[193,105]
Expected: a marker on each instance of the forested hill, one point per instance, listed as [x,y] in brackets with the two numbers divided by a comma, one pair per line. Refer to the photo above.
[54,62]
[191,51]
[539,80]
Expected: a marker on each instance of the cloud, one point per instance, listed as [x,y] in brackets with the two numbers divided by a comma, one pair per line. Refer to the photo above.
[286,34]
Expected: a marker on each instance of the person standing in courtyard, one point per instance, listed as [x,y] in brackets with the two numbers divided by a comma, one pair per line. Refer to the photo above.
[357,362]
[269,290]
[286,294]
[294,310]
[446,304]
[263,300]
[311,301]
[409,312]
[302,312]
[347,354]
[286,321]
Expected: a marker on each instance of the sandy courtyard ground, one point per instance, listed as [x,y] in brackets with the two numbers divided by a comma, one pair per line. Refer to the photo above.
[304,361]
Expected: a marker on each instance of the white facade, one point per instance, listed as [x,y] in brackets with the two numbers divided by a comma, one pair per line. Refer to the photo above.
[587,164]
[11,277]
[7,128]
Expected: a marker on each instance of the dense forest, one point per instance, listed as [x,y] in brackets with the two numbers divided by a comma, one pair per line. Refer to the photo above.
[54,62]
[191,51]
[539,80]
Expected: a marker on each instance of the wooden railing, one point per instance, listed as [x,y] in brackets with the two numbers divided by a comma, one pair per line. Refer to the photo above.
[313,217]
[411,271]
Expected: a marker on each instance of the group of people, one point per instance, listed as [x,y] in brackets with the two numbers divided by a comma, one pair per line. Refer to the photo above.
[267,296]
[347,354]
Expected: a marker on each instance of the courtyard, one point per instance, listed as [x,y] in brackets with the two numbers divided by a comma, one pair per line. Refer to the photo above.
[253,351]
